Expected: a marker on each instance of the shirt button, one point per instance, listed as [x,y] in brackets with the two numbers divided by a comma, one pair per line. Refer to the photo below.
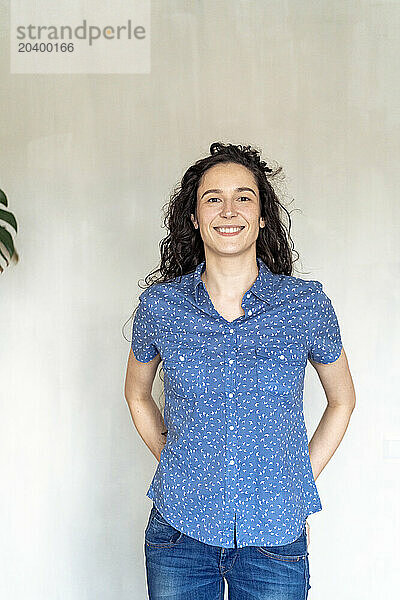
[232,462]
[231,427]
[181,358]
[230,395]
[248,295]
[281,356]
[231,331]
[231,361]
[250,312]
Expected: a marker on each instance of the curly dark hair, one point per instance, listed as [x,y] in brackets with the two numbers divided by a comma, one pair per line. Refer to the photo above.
[182,249]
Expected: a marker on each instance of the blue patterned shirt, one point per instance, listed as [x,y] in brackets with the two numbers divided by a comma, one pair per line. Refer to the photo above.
[236,465]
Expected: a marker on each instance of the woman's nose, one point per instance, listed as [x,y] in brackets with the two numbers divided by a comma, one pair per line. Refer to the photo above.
[228,210]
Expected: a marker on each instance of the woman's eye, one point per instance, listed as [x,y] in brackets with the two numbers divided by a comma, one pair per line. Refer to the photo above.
[240,198]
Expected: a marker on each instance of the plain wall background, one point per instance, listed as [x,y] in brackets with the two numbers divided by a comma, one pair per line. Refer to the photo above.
[87,162]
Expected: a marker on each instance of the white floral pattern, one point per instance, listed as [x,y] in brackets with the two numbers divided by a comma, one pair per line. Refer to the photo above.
[237,450]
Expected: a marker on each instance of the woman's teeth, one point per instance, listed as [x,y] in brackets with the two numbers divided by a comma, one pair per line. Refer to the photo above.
[229,229]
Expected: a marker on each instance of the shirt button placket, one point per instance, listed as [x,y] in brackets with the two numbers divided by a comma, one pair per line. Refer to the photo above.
[231,443]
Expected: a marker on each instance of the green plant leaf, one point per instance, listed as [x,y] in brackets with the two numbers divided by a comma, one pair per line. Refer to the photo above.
[6,239]
[3,198]
[9,218]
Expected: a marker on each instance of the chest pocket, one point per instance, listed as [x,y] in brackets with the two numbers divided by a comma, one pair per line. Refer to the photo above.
[184,368]
[280,369]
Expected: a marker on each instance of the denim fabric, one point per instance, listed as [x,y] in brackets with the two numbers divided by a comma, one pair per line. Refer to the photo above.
[179,567]
[236,460]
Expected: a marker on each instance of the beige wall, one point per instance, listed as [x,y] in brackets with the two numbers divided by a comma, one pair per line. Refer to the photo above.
[87,161]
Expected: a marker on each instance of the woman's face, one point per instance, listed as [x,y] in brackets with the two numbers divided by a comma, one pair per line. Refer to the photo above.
[228,198]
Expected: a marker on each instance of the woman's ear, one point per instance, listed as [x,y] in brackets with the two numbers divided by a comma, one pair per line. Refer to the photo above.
[262,222]
[194,221]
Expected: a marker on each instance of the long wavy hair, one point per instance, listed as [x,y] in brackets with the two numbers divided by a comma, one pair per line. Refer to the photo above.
[182,248]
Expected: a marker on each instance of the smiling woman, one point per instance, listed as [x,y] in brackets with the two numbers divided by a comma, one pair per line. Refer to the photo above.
[234,330]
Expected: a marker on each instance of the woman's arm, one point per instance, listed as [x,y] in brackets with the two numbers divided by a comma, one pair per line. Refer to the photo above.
[340,394]
[146,415]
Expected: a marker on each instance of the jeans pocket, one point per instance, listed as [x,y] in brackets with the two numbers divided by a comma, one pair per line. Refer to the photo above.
[159,533]
[291,552]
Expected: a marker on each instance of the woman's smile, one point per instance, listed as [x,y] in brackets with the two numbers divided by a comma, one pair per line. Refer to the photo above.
[229,229]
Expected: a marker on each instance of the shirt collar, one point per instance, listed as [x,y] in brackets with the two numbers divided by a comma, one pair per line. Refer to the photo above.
[263,287]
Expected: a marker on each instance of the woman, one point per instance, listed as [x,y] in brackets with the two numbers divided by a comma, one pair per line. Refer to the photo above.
[234,329]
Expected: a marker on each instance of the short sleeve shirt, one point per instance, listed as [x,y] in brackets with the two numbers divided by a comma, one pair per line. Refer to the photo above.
[235,470]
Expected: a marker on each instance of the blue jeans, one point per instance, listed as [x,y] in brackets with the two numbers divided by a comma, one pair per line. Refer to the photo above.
[179,567]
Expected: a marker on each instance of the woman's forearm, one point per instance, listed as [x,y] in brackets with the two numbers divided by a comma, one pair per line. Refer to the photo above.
[149,423]
[328,435]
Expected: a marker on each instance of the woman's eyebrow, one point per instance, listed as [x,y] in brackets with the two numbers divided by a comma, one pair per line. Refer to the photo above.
[239,189]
